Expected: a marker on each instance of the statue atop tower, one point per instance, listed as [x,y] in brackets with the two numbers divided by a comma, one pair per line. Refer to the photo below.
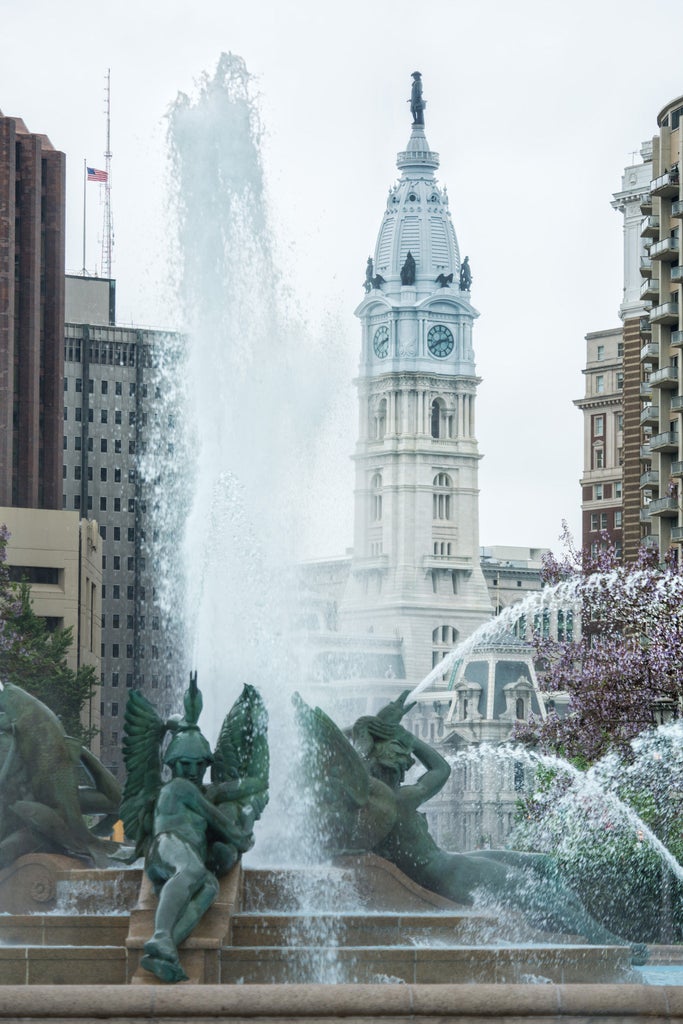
[417,104]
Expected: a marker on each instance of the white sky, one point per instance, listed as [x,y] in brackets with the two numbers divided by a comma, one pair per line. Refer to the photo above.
[534,107]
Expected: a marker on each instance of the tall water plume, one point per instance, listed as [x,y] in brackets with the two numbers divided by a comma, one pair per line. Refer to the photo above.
[256,393]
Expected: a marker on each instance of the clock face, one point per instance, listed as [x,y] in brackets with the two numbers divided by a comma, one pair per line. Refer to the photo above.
[440,341]
[381,342]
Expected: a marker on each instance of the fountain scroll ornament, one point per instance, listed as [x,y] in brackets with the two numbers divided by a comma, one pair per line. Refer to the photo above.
[363,805]
[190,835]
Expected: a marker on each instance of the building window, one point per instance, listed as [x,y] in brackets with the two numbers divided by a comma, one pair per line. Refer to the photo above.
[103,504]
[617,489]
[599,384]
[105,387]
[598,458]
[620,421]
[78,412]
[594,521]
[103,474]
[617,518]
[375,498]
[620,382]
[603,520]
[598,426]
[599,492]
[600,352]
[444,638]
[620,348]
[104,415]
[117,388]
[442,496]
[77,501]
[117,416]
[103,444]
[79,383]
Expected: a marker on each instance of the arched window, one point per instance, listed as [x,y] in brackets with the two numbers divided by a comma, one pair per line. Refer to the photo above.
[444,639]
[519,708]
[376,498]
[442,496]
[436,418]
[381,420]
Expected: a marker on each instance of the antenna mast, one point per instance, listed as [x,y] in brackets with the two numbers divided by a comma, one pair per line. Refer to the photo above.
[108,229]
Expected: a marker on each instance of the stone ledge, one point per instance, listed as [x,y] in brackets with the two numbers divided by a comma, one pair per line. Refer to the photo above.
[568,1004]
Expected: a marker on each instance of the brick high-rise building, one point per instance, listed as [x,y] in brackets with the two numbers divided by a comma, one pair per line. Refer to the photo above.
[32,217]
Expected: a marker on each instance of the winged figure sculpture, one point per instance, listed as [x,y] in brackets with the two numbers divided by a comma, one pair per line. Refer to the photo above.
[190,834]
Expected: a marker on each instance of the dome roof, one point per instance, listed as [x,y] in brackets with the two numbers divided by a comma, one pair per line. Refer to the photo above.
[417,220]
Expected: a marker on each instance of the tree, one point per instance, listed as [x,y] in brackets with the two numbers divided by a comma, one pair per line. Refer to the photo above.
[35,657]
[625,669]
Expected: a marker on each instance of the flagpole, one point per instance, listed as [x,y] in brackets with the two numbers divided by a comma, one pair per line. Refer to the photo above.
[85,178]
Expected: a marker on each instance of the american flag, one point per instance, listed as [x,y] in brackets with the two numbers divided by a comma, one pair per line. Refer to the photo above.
[95,175]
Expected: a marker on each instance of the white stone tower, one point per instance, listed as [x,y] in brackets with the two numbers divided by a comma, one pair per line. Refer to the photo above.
[415,569]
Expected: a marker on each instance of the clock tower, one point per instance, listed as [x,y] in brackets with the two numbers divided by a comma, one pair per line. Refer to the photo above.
[415,569]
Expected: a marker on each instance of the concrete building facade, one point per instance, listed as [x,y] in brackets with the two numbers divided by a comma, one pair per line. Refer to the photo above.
[32,218]
[603,433]
[116,449]
[661,335]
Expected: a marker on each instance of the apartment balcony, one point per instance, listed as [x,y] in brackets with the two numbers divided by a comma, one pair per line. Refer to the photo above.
[677,533]
[645,325]
[676,469]
[666,313]
[646,204]
[666,377]
[650,414]
[666,185]
[650,352]
[666,249]
[649,289]
[665,442]
[649,227]
[676,208]
[650,541]
[645,389]
[650,479]
[676,274]
[677,403]
[645,266]
[645,451]
[676,339]
[665,507]
[645,514]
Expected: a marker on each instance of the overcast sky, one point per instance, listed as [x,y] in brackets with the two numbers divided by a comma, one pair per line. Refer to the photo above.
[534,107]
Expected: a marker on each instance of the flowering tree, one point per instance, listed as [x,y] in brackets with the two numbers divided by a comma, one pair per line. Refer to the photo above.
[35,657]
[625,671]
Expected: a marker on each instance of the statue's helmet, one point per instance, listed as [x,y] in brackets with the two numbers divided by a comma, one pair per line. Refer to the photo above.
[188,743]
[416,74]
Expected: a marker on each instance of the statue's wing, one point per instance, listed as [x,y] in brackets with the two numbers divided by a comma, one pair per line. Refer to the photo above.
[143,732]
[329,760]
[242,747]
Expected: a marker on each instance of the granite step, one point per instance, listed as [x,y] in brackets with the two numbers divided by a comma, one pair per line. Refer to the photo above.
[568,964]
[63,929]
[361,929]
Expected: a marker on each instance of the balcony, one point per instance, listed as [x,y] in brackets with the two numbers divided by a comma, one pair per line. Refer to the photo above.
[666,313]
[644,451]
[645,266]
[677,533]
[649,227]
[676,339]
[677,403]
[650,414]
[676,208]
[667,507]
[645,326]
[649,289]
[645,514]
[650,479]
[666,377]
[676,275]
[664,442]
[646,204]
[665,185]
[645,389]
[650,541]
[676,469]
[666,249]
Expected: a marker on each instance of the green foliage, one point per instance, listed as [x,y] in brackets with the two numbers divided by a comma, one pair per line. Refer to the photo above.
[35,658]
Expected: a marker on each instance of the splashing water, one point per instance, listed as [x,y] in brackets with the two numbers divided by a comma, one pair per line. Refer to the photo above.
[256,392]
